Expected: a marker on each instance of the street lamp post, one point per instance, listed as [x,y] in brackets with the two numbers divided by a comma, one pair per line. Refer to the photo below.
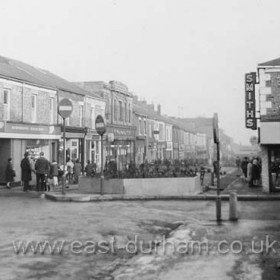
[101,129]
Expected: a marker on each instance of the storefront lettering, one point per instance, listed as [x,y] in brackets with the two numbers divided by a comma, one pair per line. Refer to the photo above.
[250,103]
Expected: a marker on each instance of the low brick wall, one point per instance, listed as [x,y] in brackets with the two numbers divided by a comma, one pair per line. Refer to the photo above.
[142,186]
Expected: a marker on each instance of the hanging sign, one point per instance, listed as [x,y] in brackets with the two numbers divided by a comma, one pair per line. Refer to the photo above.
[250,101]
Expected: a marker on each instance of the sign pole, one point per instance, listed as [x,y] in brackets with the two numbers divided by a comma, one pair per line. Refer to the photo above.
[218,201]
[102,175]
[64,158]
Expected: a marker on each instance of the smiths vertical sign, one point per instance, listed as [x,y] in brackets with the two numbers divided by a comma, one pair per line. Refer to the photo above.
[250,101]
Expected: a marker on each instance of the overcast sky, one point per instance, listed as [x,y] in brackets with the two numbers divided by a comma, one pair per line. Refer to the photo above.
[180,53]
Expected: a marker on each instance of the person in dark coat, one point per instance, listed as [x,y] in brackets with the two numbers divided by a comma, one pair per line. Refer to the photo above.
[255,173]
[10,173]
[26,171]
[42,167]
[77,171]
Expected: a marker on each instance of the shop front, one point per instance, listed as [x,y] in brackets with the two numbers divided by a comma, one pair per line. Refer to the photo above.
[120,145]
[75,143]
[169,150]
[140,151]
[274,167]
[18,138]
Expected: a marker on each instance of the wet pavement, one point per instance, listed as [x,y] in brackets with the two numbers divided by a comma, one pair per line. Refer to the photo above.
[98,240]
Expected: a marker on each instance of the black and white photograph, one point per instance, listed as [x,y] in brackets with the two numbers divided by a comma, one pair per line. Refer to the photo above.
[139,140]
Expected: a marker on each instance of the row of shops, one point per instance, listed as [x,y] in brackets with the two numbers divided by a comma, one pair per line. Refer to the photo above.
[120,145]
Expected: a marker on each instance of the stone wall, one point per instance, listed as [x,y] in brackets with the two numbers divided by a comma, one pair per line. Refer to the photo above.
[142,187]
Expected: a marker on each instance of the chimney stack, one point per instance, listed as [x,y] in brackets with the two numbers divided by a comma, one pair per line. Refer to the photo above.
[159,109]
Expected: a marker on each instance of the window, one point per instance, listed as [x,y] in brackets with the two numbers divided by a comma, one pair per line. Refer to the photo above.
[129,113]
[92,114]
[278,80]
[33,108]
[140,125]
[121,111]
[6,103]
[51,110]
[150,130]
[125,112]
[145,127]
[81,108]
[115,109]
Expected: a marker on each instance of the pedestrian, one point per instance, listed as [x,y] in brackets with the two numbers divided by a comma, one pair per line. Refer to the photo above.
[89,169]
[77,171]
[53,177]
[42,167]
[244,165]
[10,173]
[69,174]
[255,173]
[249,173]
[26,171]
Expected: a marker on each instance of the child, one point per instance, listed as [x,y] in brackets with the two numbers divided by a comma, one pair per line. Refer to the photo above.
[53,181]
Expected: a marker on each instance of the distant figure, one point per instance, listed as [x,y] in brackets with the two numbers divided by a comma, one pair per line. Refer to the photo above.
[26,171]
[10,173]
[42,167]
[77,171]
[238,163]
[249,173]
[244,165]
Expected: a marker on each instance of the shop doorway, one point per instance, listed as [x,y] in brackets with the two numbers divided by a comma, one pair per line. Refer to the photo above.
[5,153]
[274,168]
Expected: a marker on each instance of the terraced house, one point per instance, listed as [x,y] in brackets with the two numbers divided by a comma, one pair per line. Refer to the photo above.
[29,121]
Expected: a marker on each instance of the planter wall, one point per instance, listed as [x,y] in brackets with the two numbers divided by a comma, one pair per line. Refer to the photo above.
[142,186]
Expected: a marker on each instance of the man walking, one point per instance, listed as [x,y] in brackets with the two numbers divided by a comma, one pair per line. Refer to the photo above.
[42,167]
[26,171]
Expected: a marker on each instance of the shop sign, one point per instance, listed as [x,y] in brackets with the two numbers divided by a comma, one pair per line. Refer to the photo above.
[250,101]
[122,133]
[31,129]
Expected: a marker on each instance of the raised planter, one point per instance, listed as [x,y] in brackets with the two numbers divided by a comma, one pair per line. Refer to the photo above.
[142,186]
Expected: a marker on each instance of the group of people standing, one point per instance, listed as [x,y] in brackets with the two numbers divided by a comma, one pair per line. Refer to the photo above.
[47,173]
[251,169]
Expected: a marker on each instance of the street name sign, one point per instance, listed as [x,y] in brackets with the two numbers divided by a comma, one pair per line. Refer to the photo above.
[65,108]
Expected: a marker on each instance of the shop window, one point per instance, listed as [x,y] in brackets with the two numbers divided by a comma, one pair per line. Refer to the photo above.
[6,103]
[33,108]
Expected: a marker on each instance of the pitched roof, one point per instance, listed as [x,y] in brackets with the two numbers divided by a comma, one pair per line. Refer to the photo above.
[274,62]
[24,72]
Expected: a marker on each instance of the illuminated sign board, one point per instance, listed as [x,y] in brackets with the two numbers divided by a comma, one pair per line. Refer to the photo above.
[250,101]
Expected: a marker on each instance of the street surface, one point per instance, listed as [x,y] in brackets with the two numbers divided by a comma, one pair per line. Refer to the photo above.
[27,217]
